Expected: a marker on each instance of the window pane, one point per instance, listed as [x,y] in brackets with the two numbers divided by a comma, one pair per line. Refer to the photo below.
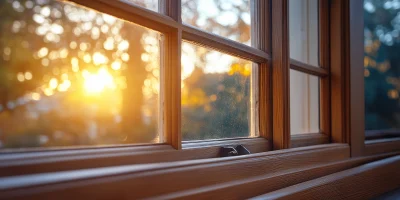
[149,4]
[382,67]
[215,94]
[227,18]
[72,76]
[303,34]
[304,103]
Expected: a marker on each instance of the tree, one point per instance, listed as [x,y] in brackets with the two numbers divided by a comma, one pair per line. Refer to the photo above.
[382,64]
[52,52]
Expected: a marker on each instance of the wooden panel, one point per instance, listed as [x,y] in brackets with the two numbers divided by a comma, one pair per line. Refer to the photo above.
[280,75]
[171,87]
[308,69]
[337,71]
[132,13]
[32,153]
[324,59]
[171,81]
[171,8]
[381,146]
[261,25]
[265,102]
[363,182]
[356,73]
[219,43]
[254,145]
[41,163]
[135,181]
[250,187]
[301,140]
[261,39]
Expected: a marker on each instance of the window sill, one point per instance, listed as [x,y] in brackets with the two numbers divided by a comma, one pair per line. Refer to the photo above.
[84,158]
[308,139]
[379,146]
[118,181]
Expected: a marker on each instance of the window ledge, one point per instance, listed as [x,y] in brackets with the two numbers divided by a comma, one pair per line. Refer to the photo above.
[117,181]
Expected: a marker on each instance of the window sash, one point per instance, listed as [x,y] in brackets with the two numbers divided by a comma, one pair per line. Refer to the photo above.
[272,111]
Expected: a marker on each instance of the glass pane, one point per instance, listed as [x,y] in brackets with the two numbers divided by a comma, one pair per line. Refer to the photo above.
[304,103]
[303,31]
[382,66]
[149,4]
[227,18]
[73,76]
[215,94]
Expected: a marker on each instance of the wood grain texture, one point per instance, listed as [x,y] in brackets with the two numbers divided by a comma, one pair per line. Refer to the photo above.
[338,107]
[171,8]
[219,43]
[324,62]
[254,145]
[140,181]
[250,187]
[261,39]
[308,69]
[363,182]
[265,102]
[171,87]
[280,75]
[42,163]
[381,146]
[29,153]
[132,13]
[307,139]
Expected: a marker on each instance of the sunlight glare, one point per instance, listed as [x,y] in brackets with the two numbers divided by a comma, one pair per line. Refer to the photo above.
[95,83]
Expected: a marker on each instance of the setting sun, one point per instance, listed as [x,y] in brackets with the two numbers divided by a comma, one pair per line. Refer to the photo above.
[97,82]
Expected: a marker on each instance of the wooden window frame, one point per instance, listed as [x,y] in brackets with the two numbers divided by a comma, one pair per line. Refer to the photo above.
[113,171]
[168,22]
[350,72]
[323,73]
[270,50]
[272,73]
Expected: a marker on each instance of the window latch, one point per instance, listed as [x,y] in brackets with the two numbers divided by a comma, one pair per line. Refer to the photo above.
[234,151]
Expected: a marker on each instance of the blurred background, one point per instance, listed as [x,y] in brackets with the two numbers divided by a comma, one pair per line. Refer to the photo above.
[382,64]
[72,76]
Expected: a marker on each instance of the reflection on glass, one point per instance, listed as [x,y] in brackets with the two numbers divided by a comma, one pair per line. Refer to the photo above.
[215,94]
[304,103]
[72,76]
[303,31]
[382,64]
[227,18]
[149,4]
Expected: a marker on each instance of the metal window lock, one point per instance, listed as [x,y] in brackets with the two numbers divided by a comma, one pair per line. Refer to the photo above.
[234,151]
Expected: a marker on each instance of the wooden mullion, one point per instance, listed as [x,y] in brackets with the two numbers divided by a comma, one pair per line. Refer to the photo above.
[324,48]
[338,50]
[355,79]
[172,77]
[132,13]
[224,45]
[171,8]
[280,75]
[261,39]
[308,69]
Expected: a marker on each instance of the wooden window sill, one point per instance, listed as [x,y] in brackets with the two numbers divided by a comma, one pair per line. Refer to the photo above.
[118,181]
[308,139]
